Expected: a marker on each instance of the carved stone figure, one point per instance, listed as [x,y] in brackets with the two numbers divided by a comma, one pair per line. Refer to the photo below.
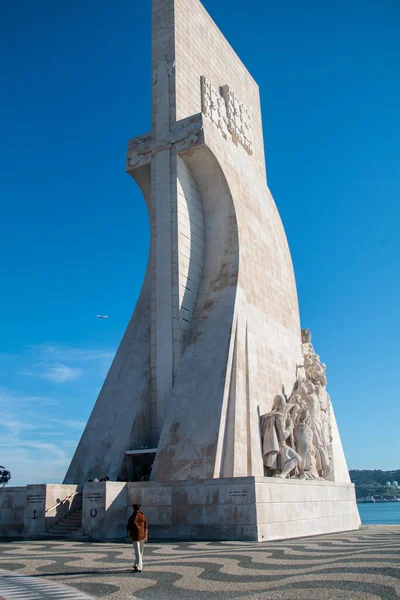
[276,427]
[303,435]
[304,424]
[325,402]
[314,407]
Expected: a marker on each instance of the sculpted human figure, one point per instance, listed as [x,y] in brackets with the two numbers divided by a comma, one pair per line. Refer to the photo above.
[318,377]
[276,427]
[303,435]
[305,336]
[297,433]
[314,407]
[323,397]
[316,371]
[292,408]
[325,403]
[294,402]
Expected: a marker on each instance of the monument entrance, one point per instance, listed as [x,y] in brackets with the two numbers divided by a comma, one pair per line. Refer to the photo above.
[214,378]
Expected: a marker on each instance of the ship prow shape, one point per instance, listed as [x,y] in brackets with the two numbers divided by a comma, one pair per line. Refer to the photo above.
[214,414]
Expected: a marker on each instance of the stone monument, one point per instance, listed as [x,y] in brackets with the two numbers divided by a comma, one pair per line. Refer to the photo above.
[214,382]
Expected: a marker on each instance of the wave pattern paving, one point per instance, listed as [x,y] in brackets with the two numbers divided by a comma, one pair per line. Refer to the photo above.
[361,565]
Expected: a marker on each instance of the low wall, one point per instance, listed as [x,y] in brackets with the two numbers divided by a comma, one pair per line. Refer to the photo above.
[104,510]
[248,508]
[71,502]
[12,511]
[288,508]
[24,511]
[241,508]
[211,509]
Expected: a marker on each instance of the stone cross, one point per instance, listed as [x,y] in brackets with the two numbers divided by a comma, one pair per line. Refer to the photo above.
[159,149]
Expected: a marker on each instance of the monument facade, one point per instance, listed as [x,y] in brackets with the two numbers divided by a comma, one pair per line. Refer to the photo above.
[214,379]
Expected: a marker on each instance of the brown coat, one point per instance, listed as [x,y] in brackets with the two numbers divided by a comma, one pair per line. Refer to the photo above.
[137,527]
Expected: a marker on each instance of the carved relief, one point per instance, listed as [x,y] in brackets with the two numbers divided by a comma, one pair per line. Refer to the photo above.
[213,106]
[304,427]
[239,123]
[223,108]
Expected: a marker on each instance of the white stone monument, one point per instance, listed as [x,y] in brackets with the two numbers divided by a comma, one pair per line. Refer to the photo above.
[212,378]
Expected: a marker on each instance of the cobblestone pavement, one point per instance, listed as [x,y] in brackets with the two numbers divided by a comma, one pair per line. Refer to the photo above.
[14,586]
[360,565]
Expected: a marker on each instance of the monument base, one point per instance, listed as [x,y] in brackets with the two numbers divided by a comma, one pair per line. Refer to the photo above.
[288,508]
[241,508]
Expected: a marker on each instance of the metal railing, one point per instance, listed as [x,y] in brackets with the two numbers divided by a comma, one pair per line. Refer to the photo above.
[62,501]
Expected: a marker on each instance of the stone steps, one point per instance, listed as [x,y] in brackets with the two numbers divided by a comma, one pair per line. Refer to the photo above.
[69,526]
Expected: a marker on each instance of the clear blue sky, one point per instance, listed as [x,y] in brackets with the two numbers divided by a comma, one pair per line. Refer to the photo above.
[74,235]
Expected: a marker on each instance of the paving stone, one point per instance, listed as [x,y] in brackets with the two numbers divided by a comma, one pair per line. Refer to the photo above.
[362,565]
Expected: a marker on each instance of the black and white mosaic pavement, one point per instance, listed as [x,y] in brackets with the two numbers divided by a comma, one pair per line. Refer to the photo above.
[360,565]
[14,586]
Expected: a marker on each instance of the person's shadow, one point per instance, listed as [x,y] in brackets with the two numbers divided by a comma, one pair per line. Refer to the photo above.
[62,509]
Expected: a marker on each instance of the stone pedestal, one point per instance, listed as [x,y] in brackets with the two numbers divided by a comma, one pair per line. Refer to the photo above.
[240,508]
[288,508]
[104,509]
[246,508]
[35,507]
[31,510]
[12,511]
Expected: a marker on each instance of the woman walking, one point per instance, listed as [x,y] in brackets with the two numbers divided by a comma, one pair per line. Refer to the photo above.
[138,534]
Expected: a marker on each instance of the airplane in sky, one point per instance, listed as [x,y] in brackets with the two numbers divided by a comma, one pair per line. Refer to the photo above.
[102,316]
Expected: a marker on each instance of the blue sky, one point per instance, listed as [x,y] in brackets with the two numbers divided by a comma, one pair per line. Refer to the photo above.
[74,234]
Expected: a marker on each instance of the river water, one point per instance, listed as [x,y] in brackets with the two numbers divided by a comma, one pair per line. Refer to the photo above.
[379,513]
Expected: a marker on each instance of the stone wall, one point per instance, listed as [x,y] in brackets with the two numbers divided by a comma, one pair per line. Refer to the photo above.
[247,508]
[240,508]
[202,50]
[204,510]
[30,511]
[188,256]
[288,508]
[71,501]
[104,510]
[12,511]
